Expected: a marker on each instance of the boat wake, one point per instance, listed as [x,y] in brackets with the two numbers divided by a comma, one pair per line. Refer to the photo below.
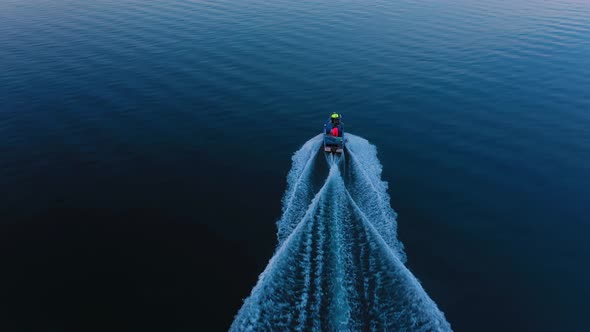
[338,265]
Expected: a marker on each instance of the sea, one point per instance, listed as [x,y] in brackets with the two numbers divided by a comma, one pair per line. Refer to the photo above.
[146,148]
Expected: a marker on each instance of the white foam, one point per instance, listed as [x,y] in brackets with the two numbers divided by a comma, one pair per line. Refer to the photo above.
[370,191]
[338,265]
[296,197]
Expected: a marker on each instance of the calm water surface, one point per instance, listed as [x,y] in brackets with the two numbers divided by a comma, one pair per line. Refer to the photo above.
[144,148]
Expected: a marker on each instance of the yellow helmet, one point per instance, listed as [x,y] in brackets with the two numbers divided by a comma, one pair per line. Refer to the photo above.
[335,115]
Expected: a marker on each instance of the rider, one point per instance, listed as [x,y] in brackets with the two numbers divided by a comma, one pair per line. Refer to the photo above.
[335,128]
[335,118]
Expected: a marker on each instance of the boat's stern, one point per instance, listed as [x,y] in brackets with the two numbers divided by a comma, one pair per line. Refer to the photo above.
[333,144]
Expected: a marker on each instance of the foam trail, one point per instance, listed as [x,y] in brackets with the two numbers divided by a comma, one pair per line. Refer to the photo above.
[338,265]
[370,192]
[298,193]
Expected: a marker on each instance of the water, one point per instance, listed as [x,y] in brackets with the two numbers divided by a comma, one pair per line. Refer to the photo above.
[145,147]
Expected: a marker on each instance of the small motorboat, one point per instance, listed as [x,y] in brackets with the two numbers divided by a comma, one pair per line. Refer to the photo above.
[334,134]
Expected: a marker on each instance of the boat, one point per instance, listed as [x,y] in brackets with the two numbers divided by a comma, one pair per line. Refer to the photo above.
[334,134]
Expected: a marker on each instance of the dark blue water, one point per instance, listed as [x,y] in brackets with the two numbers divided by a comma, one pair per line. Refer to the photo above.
[144,148]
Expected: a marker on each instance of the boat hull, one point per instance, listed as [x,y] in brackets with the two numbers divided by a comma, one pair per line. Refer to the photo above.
[333,144]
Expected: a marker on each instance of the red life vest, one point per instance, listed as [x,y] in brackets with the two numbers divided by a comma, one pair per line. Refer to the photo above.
[335,131]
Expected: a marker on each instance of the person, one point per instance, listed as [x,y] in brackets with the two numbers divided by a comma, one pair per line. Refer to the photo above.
[335,127]
[335,118]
